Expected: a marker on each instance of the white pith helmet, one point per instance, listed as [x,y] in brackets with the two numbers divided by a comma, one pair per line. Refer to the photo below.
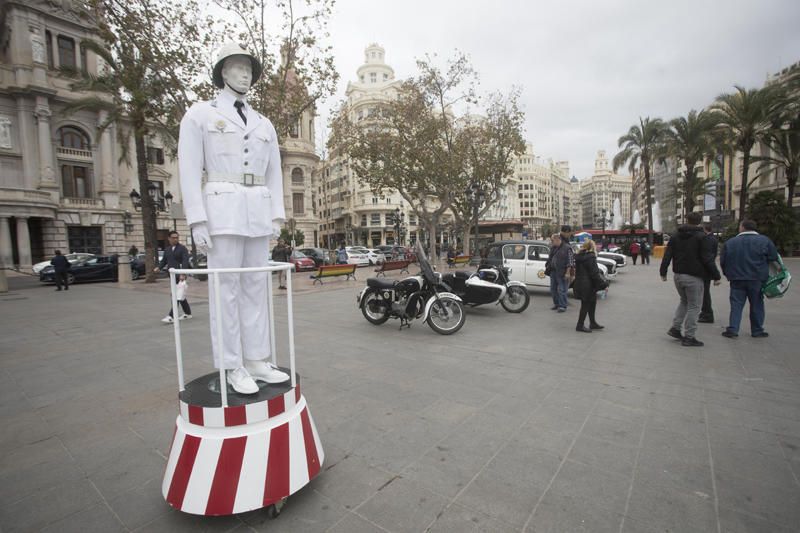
[229,50]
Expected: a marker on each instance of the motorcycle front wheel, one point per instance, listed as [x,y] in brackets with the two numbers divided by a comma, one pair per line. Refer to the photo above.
[516,299]
[370,308]
[446,316]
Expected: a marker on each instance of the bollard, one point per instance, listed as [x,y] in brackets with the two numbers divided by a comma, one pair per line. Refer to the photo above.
[124,269]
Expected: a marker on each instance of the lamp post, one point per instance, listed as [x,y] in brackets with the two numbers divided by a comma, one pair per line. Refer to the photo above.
[476,196]
[399,219]
[161,203]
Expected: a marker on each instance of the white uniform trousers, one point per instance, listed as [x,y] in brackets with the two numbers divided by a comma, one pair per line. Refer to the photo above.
[245,313]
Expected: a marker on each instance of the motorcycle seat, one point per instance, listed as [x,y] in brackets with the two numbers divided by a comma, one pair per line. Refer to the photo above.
[378,283]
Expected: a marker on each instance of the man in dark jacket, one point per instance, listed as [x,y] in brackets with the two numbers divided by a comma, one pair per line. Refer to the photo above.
[707,312]
[281,253]
[745,261]
[175,256]
[562,264]
[692,261]
[61,267]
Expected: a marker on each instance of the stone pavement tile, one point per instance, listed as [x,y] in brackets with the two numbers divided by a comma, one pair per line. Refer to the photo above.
[636,398]
[681,391]
[352,523]
[457,519]
[791,448]
[176,521]
[511,484]
[35,468]
[754,465]
[403,505]
[132,469]
[783,426]
[739,438]
[688,425]
[307,510]
[674,471]
[448,412]
[583,483]
[350,481]
[538,436]
[719,415]
[740,387]
[562,415]
[45,507]
[558,512]
[603,454]
[21,428]
[674,404]
[664,508]
[140,505]
[775,503]
[615,411]
[95,519]
[620,432]
[738,522]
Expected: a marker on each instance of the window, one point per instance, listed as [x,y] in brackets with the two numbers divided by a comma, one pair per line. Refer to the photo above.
[76,181]
[375,219]
[294,130]
[66,52]
[412,220]
[514,251]
[363,220]
[70,137]
[373,77]
[155,156]
[297,176]
[84,68]
[298,203]
[385,77]
[538,252]
[374,200]
[48,43]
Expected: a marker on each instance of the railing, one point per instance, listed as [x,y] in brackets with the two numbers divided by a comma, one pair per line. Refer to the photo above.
[83,202]
[25,195]
[73,153]
[214,274]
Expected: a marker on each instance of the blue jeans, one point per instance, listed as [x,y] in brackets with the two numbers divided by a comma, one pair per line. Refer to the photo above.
[558,290]
[746,290]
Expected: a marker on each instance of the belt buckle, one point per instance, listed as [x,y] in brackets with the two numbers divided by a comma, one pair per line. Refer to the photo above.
[251,178]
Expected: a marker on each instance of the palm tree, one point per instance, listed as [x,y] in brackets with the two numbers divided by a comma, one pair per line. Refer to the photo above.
[748,115]
[691,139]
[640,146]
[784,153]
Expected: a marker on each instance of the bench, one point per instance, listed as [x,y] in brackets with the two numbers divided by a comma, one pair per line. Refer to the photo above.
[458,261]
[328,271]
[402,266]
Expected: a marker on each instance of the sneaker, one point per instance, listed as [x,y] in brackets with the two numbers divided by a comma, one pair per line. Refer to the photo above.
[596,326]
[167,320]
[562,309]
[184,317]
[265,371]
[730,334]
[552,308]
[675,333]
[691,341]
[241,381]
[583,329]
[761,335]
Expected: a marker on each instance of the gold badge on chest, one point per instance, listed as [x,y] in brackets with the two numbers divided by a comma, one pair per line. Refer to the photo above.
[221,125]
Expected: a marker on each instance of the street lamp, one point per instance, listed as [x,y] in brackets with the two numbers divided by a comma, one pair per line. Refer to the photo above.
[604,213]
[161,203]
[399,219]
[476,196]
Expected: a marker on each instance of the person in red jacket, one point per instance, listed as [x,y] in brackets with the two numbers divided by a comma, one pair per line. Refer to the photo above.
[635,248]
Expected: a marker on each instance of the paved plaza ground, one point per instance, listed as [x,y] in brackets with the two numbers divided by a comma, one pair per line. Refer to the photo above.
[515,423]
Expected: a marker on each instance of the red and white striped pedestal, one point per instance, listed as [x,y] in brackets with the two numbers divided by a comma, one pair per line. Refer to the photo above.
[241,457]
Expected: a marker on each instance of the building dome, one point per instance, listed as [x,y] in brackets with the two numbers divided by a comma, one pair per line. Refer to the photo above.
[374,70]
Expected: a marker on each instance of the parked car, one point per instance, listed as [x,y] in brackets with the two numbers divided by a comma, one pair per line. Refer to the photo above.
[619,258]
[356,257]
[374,257]
[526,260]
[72,258]
[393,252]
[97,268]
[318,255]
[301,261]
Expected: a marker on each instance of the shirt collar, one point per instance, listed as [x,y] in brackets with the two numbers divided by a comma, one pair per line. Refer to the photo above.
[749,233]
[227,99]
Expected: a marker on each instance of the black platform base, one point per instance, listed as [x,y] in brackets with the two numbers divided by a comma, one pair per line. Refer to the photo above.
[204,391]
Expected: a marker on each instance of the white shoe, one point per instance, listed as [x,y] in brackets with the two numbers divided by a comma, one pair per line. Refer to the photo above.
[241,381]
[265,371]
[167,320]
[185,317]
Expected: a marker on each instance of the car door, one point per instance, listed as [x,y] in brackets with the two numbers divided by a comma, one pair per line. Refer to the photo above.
[534,265]
[514,259]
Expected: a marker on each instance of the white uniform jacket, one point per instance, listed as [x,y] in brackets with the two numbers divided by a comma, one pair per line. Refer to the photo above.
[214,139]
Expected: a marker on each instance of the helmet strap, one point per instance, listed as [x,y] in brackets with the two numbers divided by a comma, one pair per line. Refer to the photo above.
[228,85]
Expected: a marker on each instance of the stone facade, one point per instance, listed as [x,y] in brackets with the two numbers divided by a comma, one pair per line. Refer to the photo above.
[600,191]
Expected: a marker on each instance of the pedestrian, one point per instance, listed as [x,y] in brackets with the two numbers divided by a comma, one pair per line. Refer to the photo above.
[555,242]
[644,251]
[451,255]
[341,255]
[61,268]
[133,251]
[745,261]
[587,282]
[635,248]
[706,311]
[692,261]
[176,256]
[281,253]
[563,265]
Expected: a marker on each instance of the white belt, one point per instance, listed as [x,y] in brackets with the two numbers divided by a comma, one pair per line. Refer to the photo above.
[241,179]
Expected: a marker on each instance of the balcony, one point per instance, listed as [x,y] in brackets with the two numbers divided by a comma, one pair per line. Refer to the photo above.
[82,202]
[74,154]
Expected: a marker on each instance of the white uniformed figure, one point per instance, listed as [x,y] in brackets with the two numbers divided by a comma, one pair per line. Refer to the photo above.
[234,210]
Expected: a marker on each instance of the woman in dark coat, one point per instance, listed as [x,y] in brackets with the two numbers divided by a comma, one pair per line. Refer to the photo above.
[587,282]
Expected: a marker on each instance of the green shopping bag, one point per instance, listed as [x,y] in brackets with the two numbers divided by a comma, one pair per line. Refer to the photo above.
[779,279]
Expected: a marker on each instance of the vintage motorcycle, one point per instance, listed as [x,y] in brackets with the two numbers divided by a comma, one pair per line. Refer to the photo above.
[415,297]
[490,284]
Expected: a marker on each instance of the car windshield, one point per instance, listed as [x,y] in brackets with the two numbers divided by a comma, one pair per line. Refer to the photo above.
[299,255]
[424,265]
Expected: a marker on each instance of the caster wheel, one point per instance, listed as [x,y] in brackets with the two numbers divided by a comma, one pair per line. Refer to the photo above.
[274,510]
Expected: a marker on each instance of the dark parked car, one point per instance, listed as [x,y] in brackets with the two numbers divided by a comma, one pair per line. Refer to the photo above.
[318,255]
[98,268]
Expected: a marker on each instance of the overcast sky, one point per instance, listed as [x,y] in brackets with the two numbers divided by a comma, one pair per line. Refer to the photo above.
[588,69]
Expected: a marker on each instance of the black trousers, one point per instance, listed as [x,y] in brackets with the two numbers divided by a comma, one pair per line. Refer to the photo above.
[706,312]
[634,256]
[587,308]
[185,306]
[646,258]
[62,279]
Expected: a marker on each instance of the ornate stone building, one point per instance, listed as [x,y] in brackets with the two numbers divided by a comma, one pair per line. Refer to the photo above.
[600,191]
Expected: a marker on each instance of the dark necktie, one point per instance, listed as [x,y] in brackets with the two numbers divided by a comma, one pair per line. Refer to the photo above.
[238,104]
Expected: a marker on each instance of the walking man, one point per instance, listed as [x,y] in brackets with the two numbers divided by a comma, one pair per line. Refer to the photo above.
[707,312]
[176,256]
[281,253]
[645,252]
[61,269]
[745,261]
[562,263]
[692,261]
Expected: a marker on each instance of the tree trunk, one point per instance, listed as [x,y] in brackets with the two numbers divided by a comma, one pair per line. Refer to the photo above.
[649,198]
[148,208]
[791,182]
[465,248]
[432,241]
[689,189]
[743,189]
